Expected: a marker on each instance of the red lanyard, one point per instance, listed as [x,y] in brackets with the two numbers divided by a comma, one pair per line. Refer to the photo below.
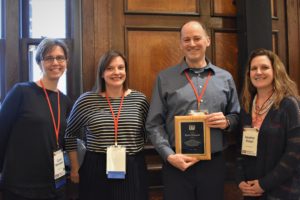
[199,97]
[56,127]
[116,119]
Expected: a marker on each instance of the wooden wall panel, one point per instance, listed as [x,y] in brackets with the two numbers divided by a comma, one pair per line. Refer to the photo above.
[274,8]
[96,31]
[279,27]
[293,27]
[275,41]
[162,6]
[224,8]
[102,28]
[148,52]
[88,43]
[225,51]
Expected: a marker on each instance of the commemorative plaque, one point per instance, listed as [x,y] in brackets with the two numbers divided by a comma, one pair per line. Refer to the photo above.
[192,136]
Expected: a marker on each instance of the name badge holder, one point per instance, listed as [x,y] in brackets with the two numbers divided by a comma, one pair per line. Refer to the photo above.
[58,156]
[115,154]
[249,142]
[116,162]
[59,168]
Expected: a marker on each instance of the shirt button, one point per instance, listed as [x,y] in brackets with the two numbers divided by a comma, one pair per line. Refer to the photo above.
[201,100]
[200,86]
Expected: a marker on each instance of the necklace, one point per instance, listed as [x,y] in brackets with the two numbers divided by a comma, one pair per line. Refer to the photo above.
[265,107]
[259,112]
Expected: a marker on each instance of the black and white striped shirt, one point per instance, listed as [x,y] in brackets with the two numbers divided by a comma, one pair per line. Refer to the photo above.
[92,113]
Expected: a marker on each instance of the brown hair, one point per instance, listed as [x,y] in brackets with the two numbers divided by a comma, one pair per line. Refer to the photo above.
[104,62]
[283,85]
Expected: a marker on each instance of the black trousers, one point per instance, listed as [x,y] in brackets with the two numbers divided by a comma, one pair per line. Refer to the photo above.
[202,181]
[7,195]
[94,184]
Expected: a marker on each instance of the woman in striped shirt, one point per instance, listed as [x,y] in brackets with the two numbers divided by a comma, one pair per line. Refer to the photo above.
[113,119]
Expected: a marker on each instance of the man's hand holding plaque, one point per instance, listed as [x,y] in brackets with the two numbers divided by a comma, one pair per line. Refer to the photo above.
[217,120]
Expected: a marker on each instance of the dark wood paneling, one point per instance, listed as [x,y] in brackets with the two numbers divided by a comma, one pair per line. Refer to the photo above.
[225,8]
[274,8]
[117,25]
[88,44]
[293,28]
[279,26]
[97,28]
[149,51]
[275,41]
[103,27]
[225,51]
[178,7]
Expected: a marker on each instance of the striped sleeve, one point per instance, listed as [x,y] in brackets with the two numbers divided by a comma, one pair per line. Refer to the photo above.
[78,119]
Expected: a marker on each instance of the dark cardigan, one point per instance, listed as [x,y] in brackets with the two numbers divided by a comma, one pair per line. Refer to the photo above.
[277,164]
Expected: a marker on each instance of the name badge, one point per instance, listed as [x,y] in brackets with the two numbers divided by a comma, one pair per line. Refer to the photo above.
[59,168]
[116,162]
[249,143]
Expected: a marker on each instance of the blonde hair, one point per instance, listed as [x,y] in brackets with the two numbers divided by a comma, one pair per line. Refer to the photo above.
[283,85]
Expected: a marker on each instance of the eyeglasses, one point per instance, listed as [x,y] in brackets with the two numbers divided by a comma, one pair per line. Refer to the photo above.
[50,59]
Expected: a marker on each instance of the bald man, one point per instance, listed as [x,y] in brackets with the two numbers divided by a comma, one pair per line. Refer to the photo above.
[193,84]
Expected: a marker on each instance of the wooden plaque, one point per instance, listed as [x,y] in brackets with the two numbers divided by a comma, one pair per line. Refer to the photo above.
[192,136]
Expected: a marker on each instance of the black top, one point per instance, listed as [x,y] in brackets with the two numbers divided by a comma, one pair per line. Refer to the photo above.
[277,164]
[28,140]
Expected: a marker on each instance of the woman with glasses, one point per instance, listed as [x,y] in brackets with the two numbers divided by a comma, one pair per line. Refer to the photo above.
[269,163]
[32,125]
[113,118]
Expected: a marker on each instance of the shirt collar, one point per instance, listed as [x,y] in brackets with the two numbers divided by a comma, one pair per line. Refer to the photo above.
[184,66]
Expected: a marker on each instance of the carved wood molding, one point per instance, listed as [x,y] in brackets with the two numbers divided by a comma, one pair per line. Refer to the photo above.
[162,7]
